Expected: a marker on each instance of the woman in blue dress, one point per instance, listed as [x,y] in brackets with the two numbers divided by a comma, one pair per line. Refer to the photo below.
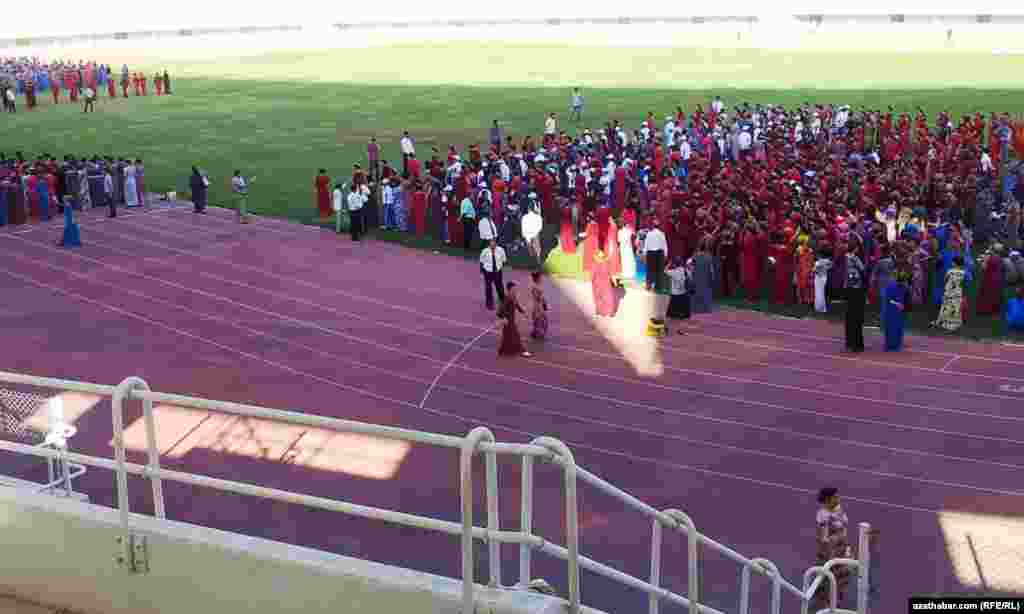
[894,303]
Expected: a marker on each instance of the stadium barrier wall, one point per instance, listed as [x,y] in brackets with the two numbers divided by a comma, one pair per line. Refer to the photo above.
[62,553]
[112,543]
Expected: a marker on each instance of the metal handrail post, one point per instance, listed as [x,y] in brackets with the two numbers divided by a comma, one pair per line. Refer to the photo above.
[864,568]
[693,583]
[526,520]
[652,598]
[493,524]
[810,587]
[469,446]
[124,389]
[572,534]
[773,571]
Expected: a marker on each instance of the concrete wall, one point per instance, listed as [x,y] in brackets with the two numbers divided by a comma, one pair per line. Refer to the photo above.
[60,552]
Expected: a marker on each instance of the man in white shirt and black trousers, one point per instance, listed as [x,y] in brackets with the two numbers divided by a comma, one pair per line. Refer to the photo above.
[356,199]
[492,260]
[655,248]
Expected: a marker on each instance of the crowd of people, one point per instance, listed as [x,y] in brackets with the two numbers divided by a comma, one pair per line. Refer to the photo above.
[32,78]
[811,205]
[34,190]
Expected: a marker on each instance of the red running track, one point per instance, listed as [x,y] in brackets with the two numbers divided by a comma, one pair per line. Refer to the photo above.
[751,416]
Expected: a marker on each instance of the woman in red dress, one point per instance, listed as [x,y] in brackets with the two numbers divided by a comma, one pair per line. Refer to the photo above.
[419,210]
[990,294]
[750,269]
[783,256]
[511,341]
[322,184]
[566,232]
[601,286]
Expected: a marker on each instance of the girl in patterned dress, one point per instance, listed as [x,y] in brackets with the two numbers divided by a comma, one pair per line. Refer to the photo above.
[832,543]
[951,316]
[539,313]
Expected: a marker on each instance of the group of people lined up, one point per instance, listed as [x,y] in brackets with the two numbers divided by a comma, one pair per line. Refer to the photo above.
[820,203]
[29,77]
[34,190]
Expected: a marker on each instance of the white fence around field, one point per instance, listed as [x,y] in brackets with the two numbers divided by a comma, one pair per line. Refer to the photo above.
[479,441]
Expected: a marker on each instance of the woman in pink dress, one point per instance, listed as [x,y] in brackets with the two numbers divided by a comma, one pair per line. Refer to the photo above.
[539,313]
[601,285]
[511,341]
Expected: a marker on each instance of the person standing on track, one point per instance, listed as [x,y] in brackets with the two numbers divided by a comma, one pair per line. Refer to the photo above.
[356,199]
[240,188]
[492,260]
[198,184]
[855,297]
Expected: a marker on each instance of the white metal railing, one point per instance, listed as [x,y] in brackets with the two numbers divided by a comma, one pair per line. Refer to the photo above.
[479,440]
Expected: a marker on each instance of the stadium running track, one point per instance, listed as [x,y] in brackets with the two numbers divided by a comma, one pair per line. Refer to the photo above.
[751,416]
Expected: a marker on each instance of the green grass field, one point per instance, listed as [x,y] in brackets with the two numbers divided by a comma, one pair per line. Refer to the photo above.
[282,115]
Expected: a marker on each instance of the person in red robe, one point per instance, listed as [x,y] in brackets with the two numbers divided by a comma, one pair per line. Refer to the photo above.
[497,199]
[566,231]
[783,256]
[111,90]
[990,294]
[55,88]
[419,210]
[750,265]
[322,184]
[620,187]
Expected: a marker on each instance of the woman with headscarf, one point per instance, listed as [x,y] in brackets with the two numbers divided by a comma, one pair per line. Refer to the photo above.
[681,287]
[855,295]
[131,193]
[198,185]
[704,278]
[140,181]
[990,294]
[832,542]
[951,316]
[605,299]
[511,341]
[894,306]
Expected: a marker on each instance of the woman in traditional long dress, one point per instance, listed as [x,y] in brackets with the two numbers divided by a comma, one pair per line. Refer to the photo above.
[84,194]
[131,193]
[782,292]
[43,191]
[511,342]
[140,181]
[750,270]
[894,301]
[704,277]
[681,279]
[454,224]
[951,316]
[566,231]
[601,286]
[322,187]
[31,190]
[419,210]
[198,186]
[990,295]
[832,542]
[822,266]
[626,255]
[539,312]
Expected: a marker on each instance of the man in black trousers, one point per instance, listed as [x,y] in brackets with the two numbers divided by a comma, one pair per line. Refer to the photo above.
[492,260]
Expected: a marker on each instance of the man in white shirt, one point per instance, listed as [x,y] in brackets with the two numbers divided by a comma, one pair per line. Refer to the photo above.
[492,260]
[717,105]
[550,127]
[531,227]
[487,229]
[356,199]
[986,163]
[408,149]
[240,188]
[655,247]
[338,200]
[745,140]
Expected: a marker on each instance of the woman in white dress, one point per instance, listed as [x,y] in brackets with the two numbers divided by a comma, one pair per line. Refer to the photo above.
[627,258]
[131,195]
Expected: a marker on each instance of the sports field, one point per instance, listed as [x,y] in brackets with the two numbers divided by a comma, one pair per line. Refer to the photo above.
[282,115]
